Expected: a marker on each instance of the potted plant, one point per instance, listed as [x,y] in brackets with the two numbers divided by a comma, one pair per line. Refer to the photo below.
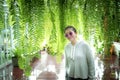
[17,52]
[17,55]
[24,57]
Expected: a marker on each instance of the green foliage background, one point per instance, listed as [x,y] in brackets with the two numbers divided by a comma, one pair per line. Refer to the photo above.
[37,23]
[40,22]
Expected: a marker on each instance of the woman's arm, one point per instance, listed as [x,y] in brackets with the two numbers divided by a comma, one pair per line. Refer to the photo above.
[90,61]
[66,64]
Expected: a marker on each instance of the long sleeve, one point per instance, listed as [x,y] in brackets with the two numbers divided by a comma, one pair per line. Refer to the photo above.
[65,61]
[81,64]
[91,66]
[66,65]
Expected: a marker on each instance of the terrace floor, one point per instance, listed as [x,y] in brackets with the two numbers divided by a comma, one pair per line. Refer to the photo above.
[47,68]
[106,68]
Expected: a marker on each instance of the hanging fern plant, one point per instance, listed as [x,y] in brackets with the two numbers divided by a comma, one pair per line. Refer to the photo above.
[1,15]
[53,36]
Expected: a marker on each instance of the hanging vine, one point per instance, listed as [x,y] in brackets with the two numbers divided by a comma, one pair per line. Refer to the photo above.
[1,15]
[43,21]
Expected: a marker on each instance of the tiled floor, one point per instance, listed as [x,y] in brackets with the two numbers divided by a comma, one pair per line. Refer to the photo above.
[106,68]
[47,68]
[111,68]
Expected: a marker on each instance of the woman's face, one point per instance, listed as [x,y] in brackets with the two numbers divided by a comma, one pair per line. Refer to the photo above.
[70,34]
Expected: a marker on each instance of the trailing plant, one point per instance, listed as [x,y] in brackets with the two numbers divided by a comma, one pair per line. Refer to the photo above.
[40,22]
[100,15]
[24,50]
[1,16]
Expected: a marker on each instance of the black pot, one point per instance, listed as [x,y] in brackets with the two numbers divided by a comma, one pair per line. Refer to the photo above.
[15,62]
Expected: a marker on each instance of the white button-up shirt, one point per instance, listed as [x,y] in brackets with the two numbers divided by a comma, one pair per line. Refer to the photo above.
[79,61]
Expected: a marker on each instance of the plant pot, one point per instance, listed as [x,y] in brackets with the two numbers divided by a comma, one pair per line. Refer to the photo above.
[15,62]
[17,73]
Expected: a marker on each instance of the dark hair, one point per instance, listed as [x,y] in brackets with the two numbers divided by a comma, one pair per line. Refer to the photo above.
[70,27]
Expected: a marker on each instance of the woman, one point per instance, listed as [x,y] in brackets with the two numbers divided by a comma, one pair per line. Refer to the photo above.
[79,62]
